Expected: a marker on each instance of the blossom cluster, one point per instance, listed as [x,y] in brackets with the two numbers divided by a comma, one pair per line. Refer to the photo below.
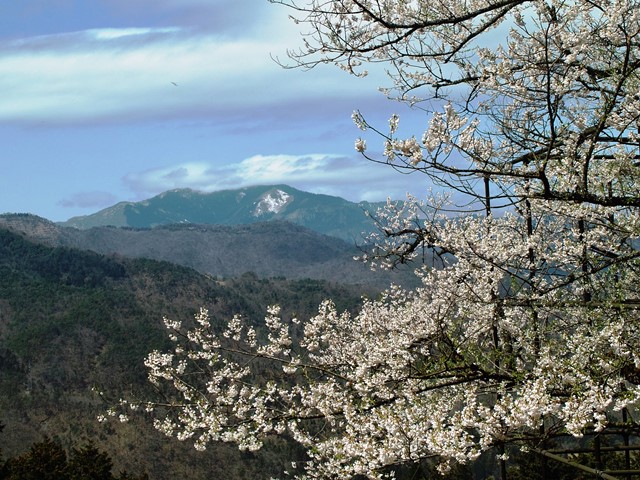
[476,356]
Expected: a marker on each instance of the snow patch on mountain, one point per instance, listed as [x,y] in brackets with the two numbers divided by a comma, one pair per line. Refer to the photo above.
[273,201]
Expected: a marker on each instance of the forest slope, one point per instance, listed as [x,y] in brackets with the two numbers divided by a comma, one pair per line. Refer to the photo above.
[71,320]
[268,249]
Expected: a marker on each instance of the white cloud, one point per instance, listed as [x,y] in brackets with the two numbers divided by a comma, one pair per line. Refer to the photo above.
[258,169]
[352,178]
[113,33]
[113,74]
[276,168]
[185,175]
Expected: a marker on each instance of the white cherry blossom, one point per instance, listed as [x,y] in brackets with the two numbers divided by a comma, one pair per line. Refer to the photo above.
[526,323]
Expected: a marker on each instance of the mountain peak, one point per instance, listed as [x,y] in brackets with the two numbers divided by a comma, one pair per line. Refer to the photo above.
[325,214]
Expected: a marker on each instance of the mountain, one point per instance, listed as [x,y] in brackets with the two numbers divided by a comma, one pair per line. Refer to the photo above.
[71,320]
[268,249]
[322,213]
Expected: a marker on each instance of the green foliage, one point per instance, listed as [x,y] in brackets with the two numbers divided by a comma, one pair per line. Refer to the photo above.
[61,265]
[89,463]
[47,460]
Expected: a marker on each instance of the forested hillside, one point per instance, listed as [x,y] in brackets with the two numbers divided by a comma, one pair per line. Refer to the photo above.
[73,320]
[268,249]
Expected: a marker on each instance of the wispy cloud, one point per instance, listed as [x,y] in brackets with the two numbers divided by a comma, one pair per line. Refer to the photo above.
[133,73]
[94,199]
[117,33]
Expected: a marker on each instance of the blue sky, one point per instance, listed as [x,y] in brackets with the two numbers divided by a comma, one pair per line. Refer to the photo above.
[118,100]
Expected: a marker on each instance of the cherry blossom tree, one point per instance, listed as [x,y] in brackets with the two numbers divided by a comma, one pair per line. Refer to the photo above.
[530,328]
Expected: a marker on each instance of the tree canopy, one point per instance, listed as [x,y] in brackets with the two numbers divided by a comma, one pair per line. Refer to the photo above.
[530,328]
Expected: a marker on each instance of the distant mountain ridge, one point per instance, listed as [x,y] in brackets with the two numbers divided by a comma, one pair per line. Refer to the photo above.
[325,214]
[268,249]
